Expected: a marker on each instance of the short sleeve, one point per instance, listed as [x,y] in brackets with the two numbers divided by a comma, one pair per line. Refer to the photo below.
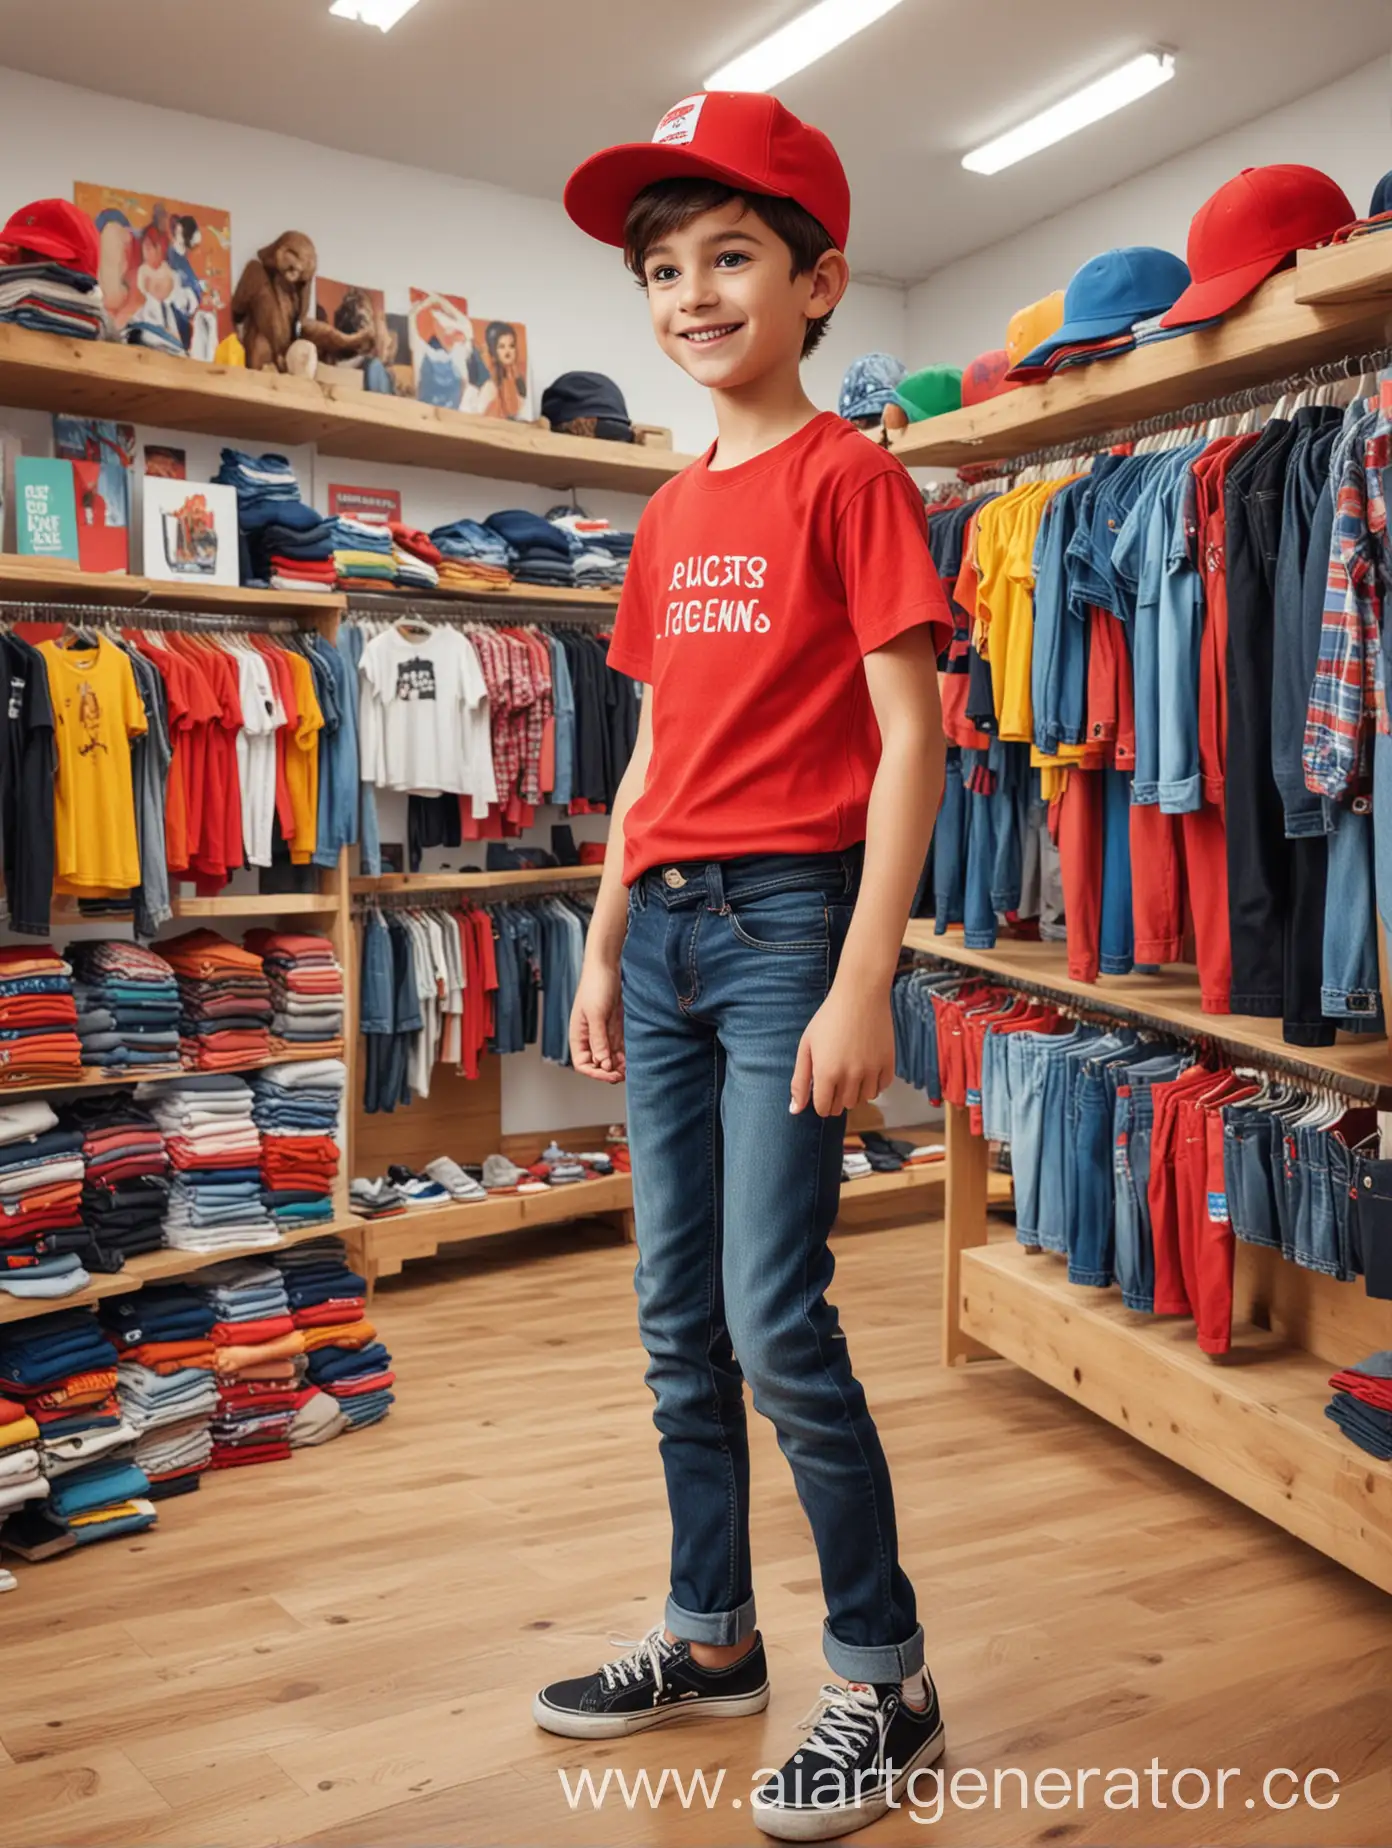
[132,706]
[890,580]
[631,650]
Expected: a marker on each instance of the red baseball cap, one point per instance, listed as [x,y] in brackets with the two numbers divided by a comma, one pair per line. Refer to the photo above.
[1248,229]
[985,377]
[746,140]
[56,229]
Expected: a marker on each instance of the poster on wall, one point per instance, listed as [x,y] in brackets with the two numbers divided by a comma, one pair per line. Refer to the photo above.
[163,262]
[102,454]
[502,346]
[378,506]
[165,461]
[45,508]
[448,371]
[352,309]
[190,531]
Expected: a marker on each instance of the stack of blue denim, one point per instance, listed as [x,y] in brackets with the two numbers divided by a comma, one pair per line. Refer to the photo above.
[468,540]
[541,552]
[127,1005]
[271,514]
[600,553]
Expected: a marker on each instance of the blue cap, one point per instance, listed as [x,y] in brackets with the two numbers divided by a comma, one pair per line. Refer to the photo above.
[1109,294]
[870,384]
[1382,197]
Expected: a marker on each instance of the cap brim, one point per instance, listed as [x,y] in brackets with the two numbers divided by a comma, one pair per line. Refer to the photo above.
[1219,295]
[600,191]
[1079,333]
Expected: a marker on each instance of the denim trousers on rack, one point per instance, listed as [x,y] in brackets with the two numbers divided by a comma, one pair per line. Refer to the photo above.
[1133,1125]
[734,1197]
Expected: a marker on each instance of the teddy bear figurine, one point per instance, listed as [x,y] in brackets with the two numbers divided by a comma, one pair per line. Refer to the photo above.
[271,310]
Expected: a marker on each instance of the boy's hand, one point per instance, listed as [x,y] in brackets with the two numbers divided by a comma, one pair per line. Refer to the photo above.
[846,1056]
[596,1025]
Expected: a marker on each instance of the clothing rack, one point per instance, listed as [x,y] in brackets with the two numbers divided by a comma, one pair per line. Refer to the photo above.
[135,616]
[1233,404]
[468,609]
[449,898]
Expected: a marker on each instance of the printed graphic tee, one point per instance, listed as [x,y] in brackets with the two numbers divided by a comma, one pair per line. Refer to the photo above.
[97,710]
[423,715]
[752,597]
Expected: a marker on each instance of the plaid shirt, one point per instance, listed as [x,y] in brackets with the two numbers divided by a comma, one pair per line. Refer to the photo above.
[1348,688]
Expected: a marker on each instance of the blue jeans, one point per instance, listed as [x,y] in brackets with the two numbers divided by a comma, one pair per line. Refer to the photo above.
[724,966]
[1133,1125]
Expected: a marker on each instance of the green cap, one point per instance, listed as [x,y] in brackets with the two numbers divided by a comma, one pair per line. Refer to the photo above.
[929,393]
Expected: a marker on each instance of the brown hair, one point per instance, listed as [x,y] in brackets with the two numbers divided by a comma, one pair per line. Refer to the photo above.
[668,205]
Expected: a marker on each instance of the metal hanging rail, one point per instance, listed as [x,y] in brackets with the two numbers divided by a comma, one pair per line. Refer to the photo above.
[1233,404]
[451,898]
[401,606]
[138,616]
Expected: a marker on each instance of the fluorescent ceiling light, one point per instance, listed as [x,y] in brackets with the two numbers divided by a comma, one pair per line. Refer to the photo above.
[1085,106]
[380,13]
[801,42]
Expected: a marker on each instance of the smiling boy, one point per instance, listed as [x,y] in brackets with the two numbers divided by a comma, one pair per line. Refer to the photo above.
[783,613]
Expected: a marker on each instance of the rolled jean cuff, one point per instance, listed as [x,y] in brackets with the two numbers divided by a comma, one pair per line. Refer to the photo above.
[886,1662]
[718,1628]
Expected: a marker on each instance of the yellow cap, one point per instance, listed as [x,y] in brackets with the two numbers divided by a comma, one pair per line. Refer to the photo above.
[1029,326]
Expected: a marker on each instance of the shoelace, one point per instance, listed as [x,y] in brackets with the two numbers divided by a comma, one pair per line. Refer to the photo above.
[841,1722]
[646,1656]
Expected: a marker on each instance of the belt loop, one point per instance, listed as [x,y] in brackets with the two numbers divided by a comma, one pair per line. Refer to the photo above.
[715,887]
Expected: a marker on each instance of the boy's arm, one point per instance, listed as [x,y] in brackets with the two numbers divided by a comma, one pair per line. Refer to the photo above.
[596,1019]
[847,1053]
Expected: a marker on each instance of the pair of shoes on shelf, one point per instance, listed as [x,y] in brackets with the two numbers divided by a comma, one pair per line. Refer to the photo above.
[503,1176]
[457,1183]
[417,1190]
[863,1744]
[375,1199]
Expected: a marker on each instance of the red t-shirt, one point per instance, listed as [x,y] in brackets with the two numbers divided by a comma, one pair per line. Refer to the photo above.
[751,597]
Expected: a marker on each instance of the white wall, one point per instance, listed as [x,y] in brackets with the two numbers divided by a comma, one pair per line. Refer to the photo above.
[964,308]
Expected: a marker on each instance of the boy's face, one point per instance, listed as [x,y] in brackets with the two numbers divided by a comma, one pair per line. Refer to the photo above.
[724,304]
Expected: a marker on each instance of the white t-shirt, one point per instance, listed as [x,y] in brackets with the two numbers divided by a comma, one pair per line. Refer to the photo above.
[424,715]
[256,754]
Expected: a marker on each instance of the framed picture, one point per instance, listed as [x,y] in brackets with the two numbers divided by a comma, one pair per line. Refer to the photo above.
[190,530]
[352,309]
[45,508]
[448,372]
[164,261]
[102,455]
[501,350]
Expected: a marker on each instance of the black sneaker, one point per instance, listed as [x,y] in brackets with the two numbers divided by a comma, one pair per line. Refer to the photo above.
[657,1682]
[863,1747]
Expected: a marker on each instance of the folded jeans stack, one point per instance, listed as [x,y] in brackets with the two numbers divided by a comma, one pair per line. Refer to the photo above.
[38,1017]
[225,1002]
[63,1370]
[42,1239]
[1361,1406]
[297,1111]
[166,1380]
[125,1183]
[257,1346]
[127,1006]
[363,555]
[472,557]
[601,563]
[306,988]
[541,552]
[215,1156]
[275,527]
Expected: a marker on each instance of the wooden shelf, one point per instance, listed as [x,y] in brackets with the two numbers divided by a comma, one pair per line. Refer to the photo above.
[1252,1423]
[158,1267]
[1170,999]
[1345,272]
[255,905]
[513,594]
[46,581]
[420,1232]
[47,372]
[99,1077]
[525,876]
[1273,333]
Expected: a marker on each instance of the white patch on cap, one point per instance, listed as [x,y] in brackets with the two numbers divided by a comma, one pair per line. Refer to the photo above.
[678,126]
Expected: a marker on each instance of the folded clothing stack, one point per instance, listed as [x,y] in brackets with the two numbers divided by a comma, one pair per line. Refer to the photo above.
[541,552]
[328,1302]
[363,554]
[53,298]
[21,1479]
[306,987]
[297,1110]
[257,1346]
[224,1000]
[163,1334]
[601,560]
[42,1239]
[1362,1404]
[346,1360]
[416,559]
[127,1005]
[376,1199]
[63,1370]
[215,1160]
[472,557]
[279,535]
[125,1184]
[38,1016]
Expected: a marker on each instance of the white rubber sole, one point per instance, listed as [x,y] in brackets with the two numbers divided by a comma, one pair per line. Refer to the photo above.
[820,1825]
[569,1725]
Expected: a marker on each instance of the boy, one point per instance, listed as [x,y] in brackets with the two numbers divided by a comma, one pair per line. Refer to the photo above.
[783,611]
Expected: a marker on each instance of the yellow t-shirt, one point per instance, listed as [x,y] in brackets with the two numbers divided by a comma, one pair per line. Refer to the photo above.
[1005,537]
[97,710]
[302,760]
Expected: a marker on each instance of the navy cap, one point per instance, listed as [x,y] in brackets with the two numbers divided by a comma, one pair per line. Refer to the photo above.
[590,399]
[1109,294]
[1382,197]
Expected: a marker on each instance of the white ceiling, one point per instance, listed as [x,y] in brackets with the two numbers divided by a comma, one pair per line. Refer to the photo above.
[516,93]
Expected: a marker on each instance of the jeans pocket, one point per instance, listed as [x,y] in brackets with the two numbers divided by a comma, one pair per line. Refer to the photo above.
[783,923]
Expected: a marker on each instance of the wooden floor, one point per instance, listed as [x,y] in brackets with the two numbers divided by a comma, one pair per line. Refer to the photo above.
[341,1650]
